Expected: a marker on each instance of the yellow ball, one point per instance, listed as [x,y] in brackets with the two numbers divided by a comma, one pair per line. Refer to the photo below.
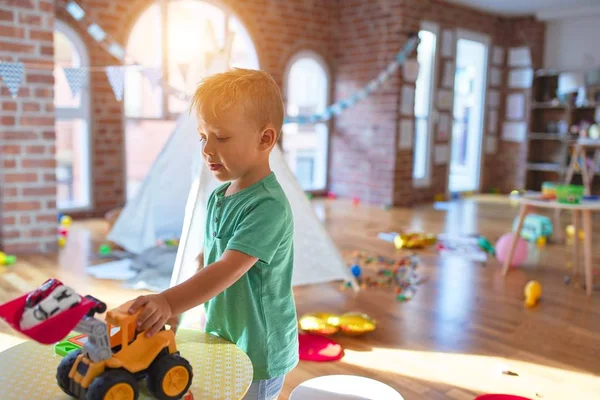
[570,231]
[533,291]
[66,220]
[62,241]
[541,241]
[2,258]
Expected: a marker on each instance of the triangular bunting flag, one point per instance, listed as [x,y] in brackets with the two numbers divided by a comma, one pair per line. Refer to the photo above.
[116,77]
[75,78]
[153,75]
[12,74]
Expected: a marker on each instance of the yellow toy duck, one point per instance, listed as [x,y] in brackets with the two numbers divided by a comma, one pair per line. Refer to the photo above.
[533,292]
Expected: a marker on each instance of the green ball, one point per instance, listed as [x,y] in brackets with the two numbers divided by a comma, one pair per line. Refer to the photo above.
[10,260]
[104,250]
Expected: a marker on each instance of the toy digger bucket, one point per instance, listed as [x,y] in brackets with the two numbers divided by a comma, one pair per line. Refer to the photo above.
[53,329]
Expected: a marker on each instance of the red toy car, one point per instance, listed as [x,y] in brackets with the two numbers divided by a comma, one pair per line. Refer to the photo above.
[42,292]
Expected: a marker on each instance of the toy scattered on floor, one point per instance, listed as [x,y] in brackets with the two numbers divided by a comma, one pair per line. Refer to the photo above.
[168,242]
[570,231]
[350,324]
[534,227]
[65,220]
[7,259]
[318,323]
[475,248]
[63,229]
[414,240]
[319,348]
[503,248]
[399,274]
[104,250]
[533,292]
[355,201]
[109,365]
[331,196]
[485,245]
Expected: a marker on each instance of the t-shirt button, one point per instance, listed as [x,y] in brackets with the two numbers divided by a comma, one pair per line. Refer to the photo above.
[214,234]
[216,219]
[218,204]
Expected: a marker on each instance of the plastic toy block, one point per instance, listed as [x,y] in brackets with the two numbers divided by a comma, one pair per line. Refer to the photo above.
[65,347]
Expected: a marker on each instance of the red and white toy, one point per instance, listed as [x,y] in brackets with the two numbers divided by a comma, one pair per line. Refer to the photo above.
[49,300]
[50,312]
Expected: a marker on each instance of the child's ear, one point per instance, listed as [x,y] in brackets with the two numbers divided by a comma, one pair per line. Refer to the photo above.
[267,139]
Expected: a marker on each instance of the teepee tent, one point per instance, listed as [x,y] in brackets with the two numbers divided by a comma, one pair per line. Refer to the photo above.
[172,200]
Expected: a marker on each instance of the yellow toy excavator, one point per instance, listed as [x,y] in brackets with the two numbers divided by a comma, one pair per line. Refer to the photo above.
[116,356]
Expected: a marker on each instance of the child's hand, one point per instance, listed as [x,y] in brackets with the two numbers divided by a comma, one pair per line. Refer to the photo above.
[157,311]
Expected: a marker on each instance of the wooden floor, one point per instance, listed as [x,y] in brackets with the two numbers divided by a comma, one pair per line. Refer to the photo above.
[464,326]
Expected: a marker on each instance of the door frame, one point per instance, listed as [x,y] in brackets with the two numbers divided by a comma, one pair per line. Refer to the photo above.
[433,113]
[487,42]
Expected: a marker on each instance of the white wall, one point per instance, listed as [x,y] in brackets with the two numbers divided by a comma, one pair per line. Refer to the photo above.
[573,43]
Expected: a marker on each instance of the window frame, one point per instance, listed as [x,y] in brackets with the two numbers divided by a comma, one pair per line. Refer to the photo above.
[320,60]
[425,181]
[82,112]
[165,96]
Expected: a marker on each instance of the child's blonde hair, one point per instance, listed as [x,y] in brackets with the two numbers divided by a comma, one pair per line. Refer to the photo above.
[254,91]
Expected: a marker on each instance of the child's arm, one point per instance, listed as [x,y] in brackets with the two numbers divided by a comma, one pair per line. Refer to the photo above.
[203,286]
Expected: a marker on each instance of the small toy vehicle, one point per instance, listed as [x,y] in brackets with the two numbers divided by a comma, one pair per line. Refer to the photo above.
[113,361]
[60,299]
[42,292]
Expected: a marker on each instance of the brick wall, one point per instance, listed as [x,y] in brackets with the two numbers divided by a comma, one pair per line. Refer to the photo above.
[107,139]
[28,217]
[366,140]
[278,30]
[357,38]
[363,144]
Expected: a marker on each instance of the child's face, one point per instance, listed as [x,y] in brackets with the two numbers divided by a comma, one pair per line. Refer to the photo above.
[231,146]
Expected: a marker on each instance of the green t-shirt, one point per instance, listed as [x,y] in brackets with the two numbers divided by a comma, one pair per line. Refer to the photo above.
[258,312]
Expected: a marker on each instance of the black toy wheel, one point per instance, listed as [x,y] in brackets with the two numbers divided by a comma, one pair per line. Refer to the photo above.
[113,384]
[169,377]
[62,372]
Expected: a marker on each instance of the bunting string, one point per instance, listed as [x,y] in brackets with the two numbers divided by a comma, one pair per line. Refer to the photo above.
[12,73]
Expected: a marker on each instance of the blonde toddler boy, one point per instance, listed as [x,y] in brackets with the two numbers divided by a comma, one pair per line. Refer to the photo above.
[246,278]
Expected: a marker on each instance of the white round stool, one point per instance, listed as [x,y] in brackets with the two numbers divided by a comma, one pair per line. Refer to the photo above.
[344,387]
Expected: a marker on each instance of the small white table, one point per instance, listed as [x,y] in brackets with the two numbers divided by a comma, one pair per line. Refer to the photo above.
[583,209]
[344,387]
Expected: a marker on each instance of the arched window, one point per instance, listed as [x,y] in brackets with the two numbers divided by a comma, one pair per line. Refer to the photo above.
[306,146]
[72,126]
[190,40]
